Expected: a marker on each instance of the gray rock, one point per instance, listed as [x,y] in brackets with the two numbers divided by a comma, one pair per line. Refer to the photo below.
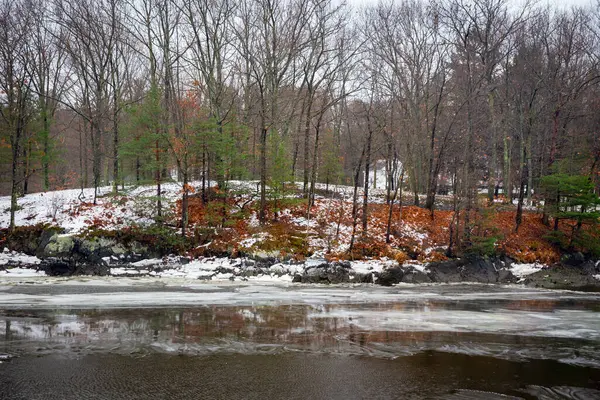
[390,276]
[262,256]
[362,278]
[475,269]
[326,273]
[560,276]
[95,249]
[506,276]
[59,246]
[412,275]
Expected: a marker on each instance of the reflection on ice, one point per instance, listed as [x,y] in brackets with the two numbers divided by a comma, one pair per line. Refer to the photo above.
[539,392]
[516,330]
[562,392]
[559,323]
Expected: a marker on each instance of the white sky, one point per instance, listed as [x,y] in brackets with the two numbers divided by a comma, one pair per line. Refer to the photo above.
[554,3]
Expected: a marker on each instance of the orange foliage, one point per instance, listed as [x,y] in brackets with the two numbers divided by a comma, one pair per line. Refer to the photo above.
[196,210]
[416,233]
[528,245]
[188,188]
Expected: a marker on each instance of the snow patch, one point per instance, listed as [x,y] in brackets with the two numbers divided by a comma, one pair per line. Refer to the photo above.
[8,257]
[21,273]
[524,269]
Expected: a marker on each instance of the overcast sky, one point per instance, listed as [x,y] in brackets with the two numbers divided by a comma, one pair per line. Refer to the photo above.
[555,3]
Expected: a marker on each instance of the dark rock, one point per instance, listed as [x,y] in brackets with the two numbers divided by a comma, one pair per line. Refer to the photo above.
[68,267]
[390,276]
[474,269]
[573,259]
[92,269]
[590,267]
[506,276]
[43,242]
[327,273]
[560,276]
[57,267]
[297,278]
[362,278]
[479,270]
[412,275]
[508,262]
[445,271]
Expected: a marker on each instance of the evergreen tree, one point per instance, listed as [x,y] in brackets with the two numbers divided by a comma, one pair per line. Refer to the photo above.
[574,201]
[146,142]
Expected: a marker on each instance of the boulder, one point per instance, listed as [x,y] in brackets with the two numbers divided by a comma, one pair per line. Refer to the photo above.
[506,276]
[337,272]
[99,247]
[57,267]
[412,275]
[390,276]
[59,246]
[264,259]
[362,278]
[561,276]
[472,269]
[573,259]
[445,271]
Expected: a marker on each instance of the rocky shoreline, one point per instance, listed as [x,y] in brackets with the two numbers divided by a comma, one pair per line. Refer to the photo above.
[57,254]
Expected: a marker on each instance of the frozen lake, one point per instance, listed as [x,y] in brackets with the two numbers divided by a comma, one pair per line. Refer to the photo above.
[119,338]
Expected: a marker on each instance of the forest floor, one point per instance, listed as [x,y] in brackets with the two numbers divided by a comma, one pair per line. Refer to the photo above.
[229,225]
[225,230]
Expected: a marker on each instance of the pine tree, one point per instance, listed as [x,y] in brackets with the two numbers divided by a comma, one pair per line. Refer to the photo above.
[574,201]
[146,143]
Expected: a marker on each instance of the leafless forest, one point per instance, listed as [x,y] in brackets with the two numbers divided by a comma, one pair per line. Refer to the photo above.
[469,98]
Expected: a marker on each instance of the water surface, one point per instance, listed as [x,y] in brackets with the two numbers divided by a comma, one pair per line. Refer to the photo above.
[454,342]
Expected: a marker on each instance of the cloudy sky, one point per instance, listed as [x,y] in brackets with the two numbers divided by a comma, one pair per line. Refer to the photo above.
[555,3]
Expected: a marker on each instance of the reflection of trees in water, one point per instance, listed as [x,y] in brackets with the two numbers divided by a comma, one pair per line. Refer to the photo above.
[310,327]
[262,324]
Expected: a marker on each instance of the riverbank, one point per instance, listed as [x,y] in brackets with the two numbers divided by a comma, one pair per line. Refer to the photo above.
[573,273]
[63,233]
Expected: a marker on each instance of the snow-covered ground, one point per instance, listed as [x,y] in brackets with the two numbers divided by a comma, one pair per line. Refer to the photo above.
[72,209]
[522,270]
[13,258]
[19,265]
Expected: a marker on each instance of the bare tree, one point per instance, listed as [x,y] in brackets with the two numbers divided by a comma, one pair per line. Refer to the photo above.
[15,83]
[269,34]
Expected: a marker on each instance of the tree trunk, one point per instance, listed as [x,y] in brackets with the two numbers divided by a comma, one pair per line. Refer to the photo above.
[391,206]
[263,174]
[365,212]
[306,146]
[46,146]
[14,187]
[492,172]
[115,147]
[184,204]
[157,177]
[355,201]
[507,186]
